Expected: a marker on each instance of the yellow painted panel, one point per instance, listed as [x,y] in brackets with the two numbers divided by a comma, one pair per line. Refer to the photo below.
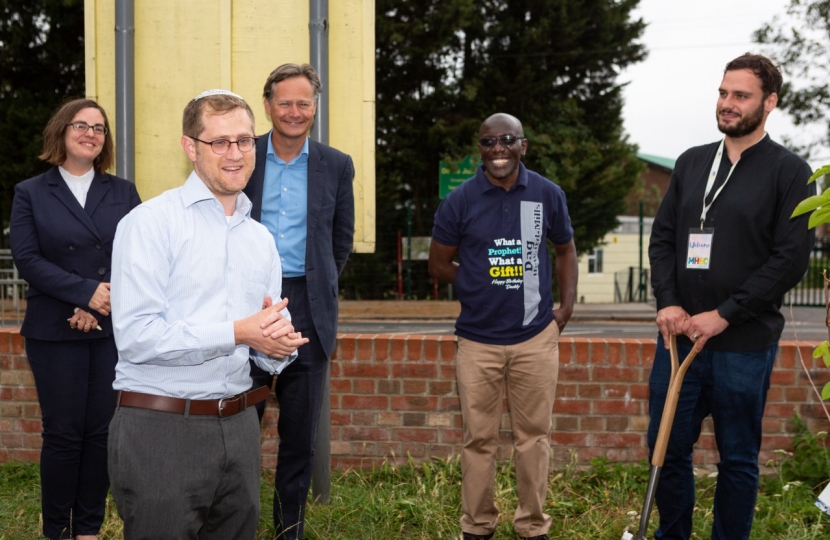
[181,49]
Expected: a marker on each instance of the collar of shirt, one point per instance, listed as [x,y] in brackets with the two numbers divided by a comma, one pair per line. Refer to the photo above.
[272,155]
[485,185]
[194,190]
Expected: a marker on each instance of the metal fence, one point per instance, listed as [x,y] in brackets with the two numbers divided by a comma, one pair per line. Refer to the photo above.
[810,290]
[631,285]
[12,291]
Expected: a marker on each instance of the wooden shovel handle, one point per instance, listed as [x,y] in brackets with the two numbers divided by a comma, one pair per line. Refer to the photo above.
[676,382]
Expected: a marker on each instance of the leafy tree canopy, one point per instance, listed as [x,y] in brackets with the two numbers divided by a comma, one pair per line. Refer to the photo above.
[800,41]
[443,66]
[41,65]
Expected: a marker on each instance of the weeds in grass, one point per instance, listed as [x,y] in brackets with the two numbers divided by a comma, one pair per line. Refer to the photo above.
[422,501]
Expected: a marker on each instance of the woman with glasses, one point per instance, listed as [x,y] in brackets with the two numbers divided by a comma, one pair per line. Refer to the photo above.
[62,226]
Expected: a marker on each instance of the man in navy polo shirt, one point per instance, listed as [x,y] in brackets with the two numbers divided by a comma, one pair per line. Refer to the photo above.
[497,223]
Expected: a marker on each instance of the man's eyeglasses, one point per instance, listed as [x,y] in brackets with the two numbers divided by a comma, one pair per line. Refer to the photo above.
[83,127]
[506,141]
[221,146]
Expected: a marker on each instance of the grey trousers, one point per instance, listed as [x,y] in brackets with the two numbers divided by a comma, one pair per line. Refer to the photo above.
[185,477]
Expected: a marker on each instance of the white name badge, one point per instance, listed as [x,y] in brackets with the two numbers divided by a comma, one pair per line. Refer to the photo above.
[699,254]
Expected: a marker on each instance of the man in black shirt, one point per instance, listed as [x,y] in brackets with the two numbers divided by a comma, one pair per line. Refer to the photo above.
[723,252]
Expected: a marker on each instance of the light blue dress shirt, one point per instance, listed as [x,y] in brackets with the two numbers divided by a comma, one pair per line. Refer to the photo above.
[285,207]
[181,274]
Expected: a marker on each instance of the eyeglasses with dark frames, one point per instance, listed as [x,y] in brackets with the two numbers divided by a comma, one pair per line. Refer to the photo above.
[83,127]
[506,141]
[220,147]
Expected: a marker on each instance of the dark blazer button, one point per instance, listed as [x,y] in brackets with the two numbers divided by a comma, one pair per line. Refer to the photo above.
[102,271]
[72,247]
[98,246]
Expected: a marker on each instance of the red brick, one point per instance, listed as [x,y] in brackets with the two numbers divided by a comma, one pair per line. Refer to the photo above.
[639,454]
[340,419]
[777,442]
[782,410]
[617,407]
[574,373]
[334,368]
[364,434]
[24,394]
[615,352]
[341,386]
[414,403]
[365,402]
[569,439]
[398,347]
[5,394]
[414,348]
[13,440]
[414,450]
[5,342]
[347,347]
[618,455]
[649,347]
[416,387]
[448,348]
[364,348]
[614,374]
[566,390]
[414,419]
[415,435]
[572,406]
[422,371]
[5,361]
[775,394]
[787,357]
[617,423]
[389,386]
[782,378]
[773,425]
[797,394]
[599,352]
[631,391]
[448,372]
[590,390]
[592,424]
[364,386]
[25,455]
[18,344]
[450,404]
[566,423]
[382,347]
[585,455]
[566,355]
[4,455]
[20,362]
[441,388]
[706,441]
[389,419]
[582,350]
[364,418]
[29,426]
[452,436]
[431,348]
[617,440]
[363,369]
[632,351]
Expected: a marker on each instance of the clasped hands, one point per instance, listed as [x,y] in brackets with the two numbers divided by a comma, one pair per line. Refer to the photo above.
[268,332]
[675,321]
[82,319]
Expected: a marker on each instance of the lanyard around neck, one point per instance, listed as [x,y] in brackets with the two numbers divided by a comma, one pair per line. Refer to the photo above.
[711,182]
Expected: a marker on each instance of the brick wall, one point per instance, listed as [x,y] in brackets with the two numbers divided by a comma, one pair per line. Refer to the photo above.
[393,396]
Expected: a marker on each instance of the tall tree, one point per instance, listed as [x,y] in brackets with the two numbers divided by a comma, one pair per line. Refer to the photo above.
[41,65]
[801,42]
[443,66]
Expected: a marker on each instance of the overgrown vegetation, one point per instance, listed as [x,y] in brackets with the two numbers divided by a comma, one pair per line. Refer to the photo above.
[423,501]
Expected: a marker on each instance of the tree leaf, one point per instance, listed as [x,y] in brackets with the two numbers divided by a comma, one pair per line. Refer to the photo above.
[825,392]
[822,349]
[822,215]
[811,203]
[821,171]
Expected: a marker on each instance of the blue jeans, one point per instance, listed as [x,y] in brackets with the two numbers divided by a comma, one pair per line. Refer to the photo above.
[732,387]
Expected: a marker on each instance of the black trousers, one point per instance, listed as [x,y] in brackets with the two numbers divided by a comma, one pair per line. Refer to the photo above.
[74,388]
[299,391]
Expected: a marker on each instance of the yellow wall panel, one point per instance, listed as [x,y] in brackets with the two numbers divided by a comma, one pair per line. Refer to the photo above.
[185,47]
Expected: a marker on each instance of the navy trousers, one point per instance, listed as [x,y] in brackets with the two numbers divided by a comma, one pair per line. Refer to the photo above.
[299,391]
[732,387]
[74,387]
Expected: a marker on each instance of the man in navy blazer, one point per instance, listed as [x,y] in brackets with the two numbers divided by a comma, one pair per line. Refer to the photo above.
[302,192]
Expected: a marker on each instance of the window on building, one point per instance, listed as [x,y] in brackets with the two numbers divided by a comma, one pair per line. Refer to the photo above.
[595,261]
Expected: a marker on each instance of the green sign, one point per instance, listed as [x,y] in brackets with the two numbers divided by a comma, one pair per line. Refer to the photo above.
[450,175]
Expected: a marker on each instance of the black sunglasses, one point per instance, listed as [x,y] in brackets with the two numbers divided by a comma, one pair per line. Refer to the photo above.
[506,141]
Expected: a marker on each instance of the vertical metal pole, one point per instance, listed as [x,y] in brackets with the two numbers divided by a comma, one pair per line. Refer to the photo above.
[319,47]
[641,286]
[125,89]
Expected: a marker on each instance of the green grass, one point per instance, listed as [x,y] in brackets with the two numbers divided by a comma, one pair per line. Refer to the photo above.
[422,501]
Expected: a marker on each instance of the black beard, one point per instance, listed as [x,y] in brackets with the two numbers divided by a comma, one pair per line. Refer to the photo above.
[745,125]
